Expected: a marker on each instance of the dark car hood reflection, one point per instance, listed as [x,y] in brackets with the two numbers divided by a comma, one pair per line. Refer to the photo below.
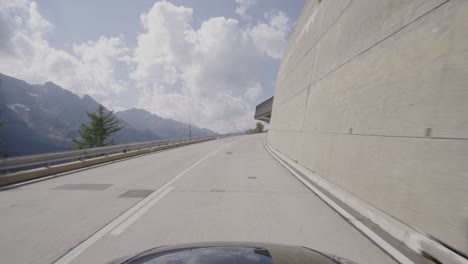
[233,253]
[210,255]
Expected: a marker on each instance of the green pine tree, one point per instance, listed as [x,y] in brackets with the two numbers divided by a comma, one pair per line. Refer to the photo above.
[97,134]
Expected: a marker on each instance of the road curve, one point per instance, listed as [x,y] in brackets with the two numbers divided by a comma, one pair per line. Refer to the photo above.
[223,190]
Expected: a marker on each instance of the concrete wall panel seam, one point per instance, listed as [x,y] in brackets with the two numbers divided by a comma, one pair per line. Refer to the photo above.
[384,114]
[377,43]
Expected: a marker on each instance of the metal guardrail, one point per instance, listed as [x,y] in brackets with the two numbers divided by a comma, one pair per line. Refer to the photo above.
[46,159]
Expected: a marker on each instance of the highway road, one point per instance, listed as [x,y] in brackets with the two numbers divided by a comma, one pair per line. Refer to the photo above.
[224,190]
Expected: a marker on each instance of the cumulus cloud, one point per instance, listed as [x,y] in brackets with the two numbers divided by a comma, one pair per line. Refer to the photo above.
[209,75]
[243,6]
[27,55]
[162,46]
[270,37]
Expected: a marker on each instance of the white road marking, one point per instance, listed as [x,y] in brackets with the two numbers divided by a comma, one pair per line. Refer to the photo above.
[368,232]
[119,230]
[76,251]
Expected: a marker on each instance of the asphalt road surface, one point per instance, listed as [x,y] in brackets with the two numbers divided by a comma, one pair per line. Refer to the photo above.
[224,190]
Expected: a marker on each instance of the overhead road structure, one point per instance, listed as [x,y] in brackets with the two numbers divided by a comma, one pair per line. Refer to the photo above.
[263,110]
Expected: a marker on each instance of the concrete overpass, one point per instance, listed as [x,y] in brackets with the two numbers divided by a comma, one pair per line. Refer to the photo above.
[263,110]
[371,103]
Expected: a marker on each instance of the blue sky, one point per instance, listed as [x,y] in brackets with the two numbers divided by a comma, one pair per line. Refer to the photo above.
[209,61]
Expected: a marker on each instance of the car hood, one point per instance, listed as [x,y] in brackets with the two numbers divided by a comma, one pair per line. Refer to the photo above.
[232,253]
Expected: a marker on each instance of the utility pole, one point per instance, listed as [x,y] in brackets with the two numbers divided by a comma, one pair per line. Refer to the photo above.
[190,129]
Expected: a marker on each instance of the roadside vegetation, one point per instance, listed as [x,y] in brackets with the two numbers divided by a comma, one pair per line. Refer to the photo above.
[258,129]
[99,131]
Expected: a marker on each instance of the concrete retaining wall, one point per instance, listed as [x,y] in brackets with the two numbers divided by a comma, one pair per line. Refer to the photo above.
[373,96]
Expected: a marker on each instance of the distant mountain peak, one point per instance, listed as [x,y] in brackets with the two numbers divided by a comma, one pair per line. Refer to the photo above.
[50,83]
[135,109]
[141,112]
[142,120]
[44,118]
[89,100]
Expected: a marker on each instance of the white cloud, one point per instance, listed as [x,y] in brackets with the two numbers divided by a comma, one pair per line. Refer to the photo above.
[243,6]
[28,56]
[210,74]
[97,62]
[162,46]
[270,37]
[36,23]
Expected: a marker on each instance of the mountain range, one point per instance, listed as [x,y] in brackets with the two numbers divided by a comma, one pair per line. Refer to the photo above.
[44,118]
[165,128]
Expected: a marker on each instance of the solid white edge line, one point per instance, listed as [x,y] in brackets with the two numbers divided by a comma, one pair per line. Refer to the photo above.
[67,258]
[129,221]
[76,251]
[369,233]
